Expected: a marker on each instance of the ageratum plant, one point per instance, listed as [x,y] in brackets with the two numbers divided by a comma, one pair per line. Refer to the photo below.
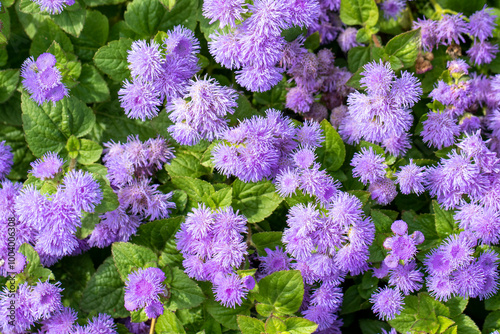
[249,166]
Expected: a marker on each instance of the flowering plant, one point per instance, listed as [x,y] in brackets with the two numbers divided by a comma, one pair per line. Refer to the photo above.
[249,166]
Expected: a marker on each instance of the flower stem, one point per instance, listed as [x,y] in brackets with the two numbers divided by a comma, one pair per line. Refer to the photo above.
[152,328]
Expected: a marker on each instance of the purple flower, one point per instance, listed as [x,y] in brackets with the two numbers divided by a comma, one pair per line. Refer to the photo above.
[53,7]
[227,12]
[383,191]
[440,287]
[345,210]
[82,190]
[225,48]
[139,99]
[182,43]
[299,99]
[6,159]
[458,66]
[406,90]
[275,260]
[377,78]
[428,31]
[387,303]
[102,324]
[303,12]
[287,182]
[42,79]
[411,178]
[439,130]
[469,281]
[392,8]
[229,290]
[310,134]
[347,39]
[45,300]
[406,278]
[61,322]
[258,78]
[450,29]
[47,167]
[24,318]
[145,61]
[268,18]
[482,23]
[368,165]
[175,76]
[114,226]
[143,288]
[482,52]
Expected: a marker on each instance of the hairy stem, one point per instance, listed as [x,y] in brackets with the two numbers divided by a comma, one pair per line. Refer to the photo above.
[152,328]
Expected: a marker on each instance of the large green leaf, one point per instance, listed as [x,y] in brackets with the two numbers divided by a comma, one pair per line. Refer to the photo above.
[93,36]
[359,12]
[71,19]
[332,152]
[405,47]
[283,290]
[91,86]
[155,235]
[169,323]
[112,59]
[49,126]
[129,257]
[8,84]
[184,292]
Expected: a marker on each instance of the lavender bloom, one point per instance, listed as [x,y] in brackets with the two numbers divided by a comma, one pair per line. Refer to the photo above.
[145,61]
[276,260]
[428,31]
[299,99]
[82,190]
[175,76]
[114,226]
[47,167]
[458,66]
[182,43]
[268,18]
[229,290]
[387,303]
[482,23]
[377,78]
[23,314]
[287,182]
[406,278]
[368,165]
[383,191]
[410,178]
[392,8]
[439,129]
[227,12]
[450,29]
[61,322]
[258,78]
[347,39]
[303,12]
[143,288]
[45,299]
[6,159]
[204,112]
[225,48]
[482,52]
[102,324]
[53,7]
[42,79]
[139,99]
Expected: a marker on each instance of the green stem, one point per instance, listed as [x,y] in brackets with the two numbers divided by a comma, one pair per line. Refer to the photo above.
[72,164]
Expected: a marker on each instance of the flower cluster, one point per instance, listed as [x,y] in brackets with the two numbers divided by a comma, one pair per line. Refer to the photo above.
[451,28]
[382,115]
[399,264]
[42,79]
[326,248]
[260,147]
[213,248]
[143,289]
[130,166]
[53,7]
[306,175]
[328,24]
[255,46]
[47,167]
[453,270]
[159,72]
[392,8]
[6,159]
[200,113]
[370,168]
[314,74]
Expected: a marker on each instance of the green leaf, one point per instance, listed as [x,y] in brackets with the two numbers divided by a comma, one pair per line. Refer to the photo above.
[15,138]
[71,19]
[145,16]
[168,4]
[196,189]
[463,6]
[492,322]
[89,221]
[457,305]
[265,240]
[187,163]
[264,310]
[283,290]
[359,12]
[169,323]
[47,33]
[129,257]
[29,7]
[296,325]
[249,325]
[89,152]
[313,41]
[8,83]
[255,201]
[274,325]
[225,315]
[405,47]
[357,57]
[352,300]
[91,87]
[93,36]
[105,292]
[466,325]
[382,221]
[34,271]
[445,223]
[331,154]
[220,198]
[184,292]
[48,127]
[138,316]
[156,234]
[112,59]
[109,201]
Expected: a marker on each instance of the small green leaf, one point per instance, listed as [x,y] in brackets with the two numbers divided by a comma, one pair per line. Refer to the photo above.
[332,152]
[184,292]
[492,322]
[89,152]
[220,198]
[91,86]
[249,325]
[112,59]
[46,34]
[8,84]
[196,189]
[109,200]
[445,223]
[359,12]
[169,323]
[357,57]
[105,292]
[296,325]
[405,47]
[274,325]
[283,290]
[265,240]
[34,271]
[156,234]
[71,19]
[225,315]
[466,325]
[187,163]
[129,257]
[256,201]
[93,36]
